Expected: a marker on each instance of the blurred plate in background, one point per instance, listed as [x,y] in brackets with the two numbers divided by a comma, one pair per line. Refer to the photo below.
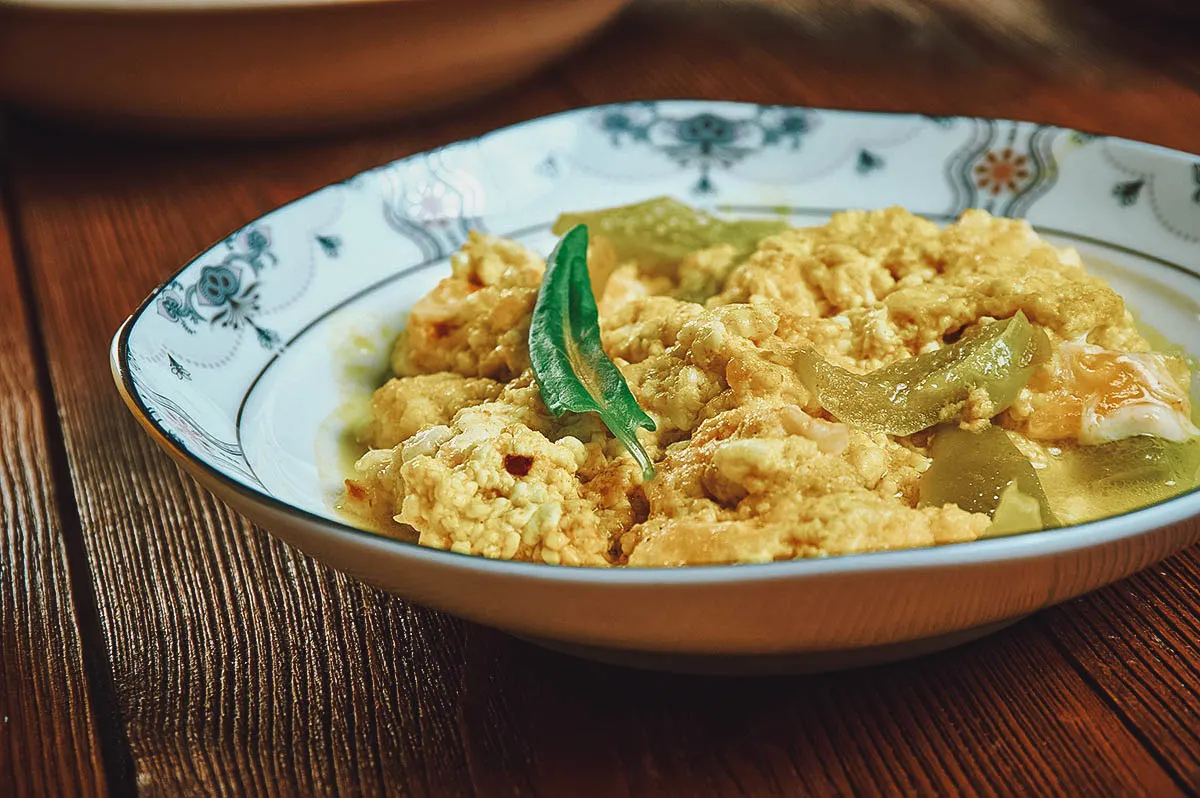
[244,67]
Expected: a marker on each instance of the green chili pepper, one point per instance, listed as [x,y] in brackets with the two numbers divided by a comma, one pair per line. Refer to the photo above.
[660,232]
[914,394]
[572,370]
[975,470]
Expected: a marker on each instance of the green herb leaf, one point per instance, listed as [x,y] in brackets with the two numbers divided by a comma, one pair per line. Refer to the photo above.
[569,362]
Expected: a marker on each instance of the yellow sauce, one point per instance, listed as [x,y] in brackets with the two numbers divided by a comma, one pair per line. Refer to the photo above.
[361,353]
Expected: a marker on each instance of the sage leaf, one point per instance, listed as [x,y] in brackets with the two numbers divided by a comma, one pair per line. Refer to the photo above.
[570,365]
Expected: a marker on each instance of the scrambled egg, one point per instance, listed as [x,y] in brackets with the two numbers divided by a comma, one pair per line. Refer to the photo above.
[464,455]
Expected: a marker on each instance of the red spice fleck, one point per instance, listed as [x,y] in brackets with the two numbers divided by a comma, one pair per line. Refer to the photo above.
[442,329]
[355,491]
[517,464]
[474,281]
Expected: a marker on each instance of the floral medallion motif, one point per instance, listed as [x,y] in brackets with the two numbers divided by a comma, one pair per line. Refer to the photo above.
[1004,167]
[1003,171]
[224,294]
[705,141]
[433,204]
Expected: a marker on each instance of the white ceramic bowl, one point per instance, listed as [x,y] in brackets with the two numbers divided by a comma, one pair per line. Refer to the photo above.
[239,364]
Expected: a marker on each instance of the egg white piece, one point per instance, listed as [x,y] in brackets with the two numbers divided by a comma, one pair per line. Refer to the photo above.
[1126,394]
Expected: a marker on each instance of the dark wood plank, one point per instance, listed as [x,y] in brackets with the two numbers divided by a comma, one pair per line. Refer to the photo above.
[48,735]
[243,667]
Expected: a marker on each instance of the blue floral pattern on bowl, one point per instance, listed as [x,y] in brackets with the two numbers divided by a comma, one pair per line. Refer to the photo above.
[705,140]
[224,294]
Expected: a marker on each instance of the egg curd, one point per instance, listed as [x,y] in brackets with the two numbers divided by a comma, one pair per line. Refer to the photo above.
[755,458]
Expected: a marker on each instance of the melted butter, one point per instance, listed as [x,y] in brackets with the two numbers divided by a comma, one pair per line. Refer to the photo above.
[1160,343]
[1015,514]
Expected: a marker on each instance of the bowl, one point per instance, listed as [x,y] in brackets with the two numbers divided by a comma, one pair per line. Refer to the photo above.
[254,67]
[243,365]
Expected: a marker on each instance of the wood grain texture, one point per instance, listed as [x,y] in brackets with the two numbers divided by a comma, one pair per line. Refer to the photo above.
[1138,643]
[48,742]
[1004,716]
[242,667]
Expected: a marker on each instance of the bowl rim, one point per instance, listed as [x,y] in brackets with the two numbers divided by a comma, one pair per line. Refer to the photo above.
[1027,546]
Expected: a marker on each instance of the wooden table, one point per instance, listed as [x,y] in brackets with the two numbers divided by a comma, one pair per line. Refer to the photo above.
[151,640]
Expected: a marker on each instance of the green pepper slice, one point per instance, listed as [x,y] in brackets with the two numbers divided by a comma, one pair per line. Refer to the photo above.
[658,233]
[914,394]
[1015,514]
[976,470]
